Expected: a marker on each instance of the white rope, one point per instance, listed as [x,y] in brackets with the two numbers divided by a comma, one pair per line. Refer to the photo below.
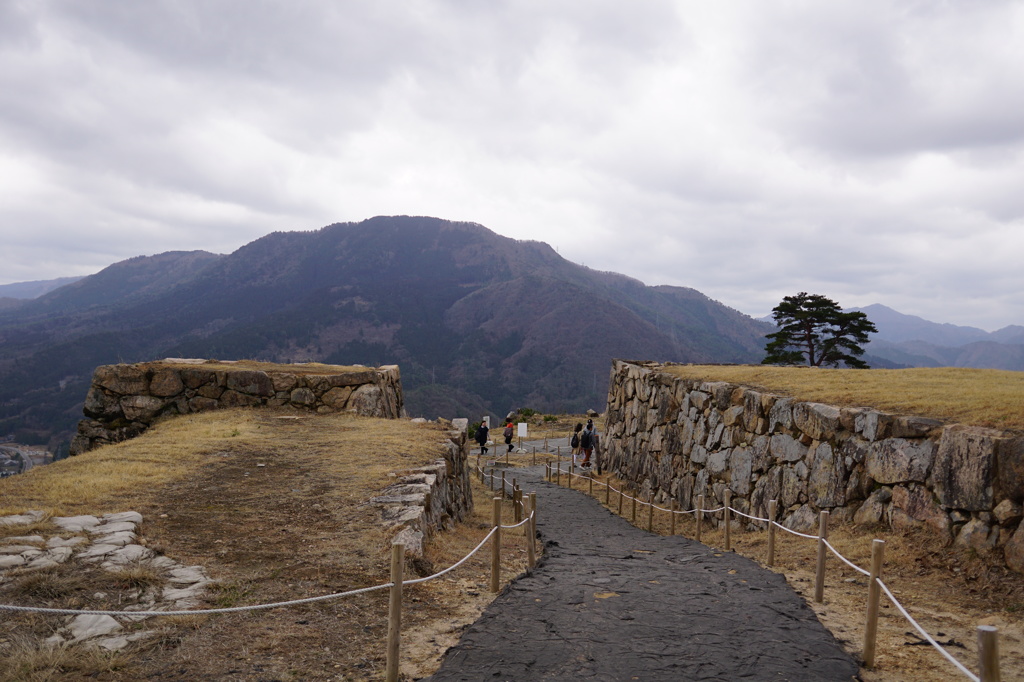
[238,609]
[924,634]
[234,609]
[712,511]
[803,535]
[753,518]
[845,560]
[453,566]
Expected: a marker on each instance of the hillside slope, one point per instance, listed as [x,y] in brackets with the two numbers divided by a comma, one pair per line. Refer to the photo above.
[479,323]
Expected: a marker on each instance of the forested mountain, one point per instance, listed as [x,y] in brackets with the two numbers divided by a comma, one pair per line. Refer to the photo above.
[479,323]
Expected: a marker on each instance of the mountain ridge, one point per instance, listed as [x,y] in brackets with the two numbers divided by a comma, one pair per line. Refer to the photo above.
[478,322]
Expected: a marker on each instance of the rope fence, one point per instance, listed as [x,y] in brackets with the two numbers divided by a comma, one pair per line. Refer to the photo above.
[988,651]
[524,509]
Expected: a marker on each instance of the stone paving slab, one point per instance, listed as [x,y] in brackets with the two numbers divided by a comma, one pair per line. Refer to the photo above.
[609,601]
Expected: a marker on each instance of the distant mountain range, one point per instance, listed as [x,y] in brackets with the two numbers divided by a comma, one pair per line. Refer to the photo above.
[911,341]
[479,323]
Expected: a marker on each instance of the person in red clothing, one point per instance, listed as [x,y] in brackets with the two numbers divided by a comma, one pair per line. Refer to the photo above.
[508,435]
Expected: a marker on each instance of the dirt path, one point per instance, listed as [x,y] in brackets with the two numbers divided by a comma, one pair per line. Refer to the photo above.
[612,602]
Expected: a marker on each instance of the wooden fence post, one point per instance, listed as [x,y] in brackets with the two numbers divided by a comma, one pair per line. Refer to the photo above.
[531,531]
[988,653]
[496,545]
[633,497]
[819,575]
[395,612]
[874,592]
[620,500]
[572,472]
[503,484]
[531,557]
[591,478]
[700,515]
[558,473]
[650,512]
[772,508]
[607,492]
[728,520]
[672,518]
[517,501]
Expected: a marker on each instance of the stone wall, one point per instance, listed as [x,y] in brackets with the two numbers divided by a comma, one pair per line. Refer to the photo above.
[430,498]
[124,400]
[680,438]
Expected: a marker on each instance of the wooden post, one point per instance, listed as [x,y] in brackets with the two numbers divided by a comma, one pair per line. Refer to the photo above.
[728,520]
[545,443]
[558,474]
[607,492]
[700,515]
[672,518]
[503,484]
[395,612]
[517,501]
[534,454]
[633,498]
[620,501]
[650,512]
[591,478]
[496,545]
[988,653]
[772,508]
[531,532]
[874,592]
[572,472]
[492,480]
[558,451]
[819,576]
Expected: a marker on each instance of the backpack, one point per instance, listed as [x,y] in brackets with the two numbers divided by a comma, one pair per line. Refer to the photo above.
[585,440]
[508,432]
[575,442]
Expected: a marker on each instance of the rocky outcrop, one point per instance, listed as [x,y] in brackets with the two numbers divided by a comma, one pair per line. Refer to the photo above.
[681,438]
[430,498]
[111,542]
[124,400]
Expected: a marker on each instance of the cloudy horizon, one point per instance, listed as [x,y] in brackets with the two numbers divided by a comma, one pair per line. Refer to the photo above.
[869,152]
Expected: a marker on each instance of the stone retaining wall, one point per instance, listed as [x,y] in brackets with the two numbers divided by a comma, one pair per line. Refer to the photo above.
[680,438]
[124,400]
[430,498]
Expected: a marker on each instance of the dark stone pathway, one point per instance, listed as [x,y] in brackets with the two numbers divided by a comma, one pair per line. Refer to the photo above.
[609,601]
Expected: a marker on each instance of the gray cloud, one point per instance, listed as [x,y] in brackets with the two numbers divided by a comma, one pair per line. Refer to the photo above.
[749,150]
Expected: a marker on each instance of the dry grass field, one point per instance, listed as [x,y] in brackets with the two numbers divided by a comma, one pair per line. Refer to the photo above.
[273,506]
[983,397]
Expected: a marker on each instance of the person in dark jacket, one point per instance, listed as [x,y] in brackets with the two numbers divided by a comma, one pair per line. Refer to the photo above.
[509,432]
[481,437]
[588,441]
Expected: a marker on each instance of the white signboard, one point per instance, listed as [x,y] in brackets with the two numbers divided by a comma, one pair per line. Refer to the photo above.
[487,420]
[522,430]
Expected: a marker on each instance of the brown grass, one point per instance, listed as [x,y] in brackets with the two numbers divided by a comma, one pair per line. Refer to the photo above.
[300,368]
[982,397]
[274,507]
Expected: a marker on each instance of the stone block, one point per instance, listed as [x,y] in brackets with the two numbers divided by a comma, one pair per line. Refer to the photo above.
[913,427]
[166,383]
[781,414]
[1008,513]
[100,405]
[740,463]
[302,397]
[873,425]
[978,535]
[826,485]
[785,448]
[141,407]
[818,421]
[251,382]
[1010,469]
[121,379]
[1013,551]
[964,468]
[873,509]
[898,460]
[231,398]
[917,503]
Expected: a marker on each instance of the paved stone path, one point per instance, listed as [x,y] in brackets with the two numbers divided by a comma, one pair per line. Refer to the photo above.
[609,601]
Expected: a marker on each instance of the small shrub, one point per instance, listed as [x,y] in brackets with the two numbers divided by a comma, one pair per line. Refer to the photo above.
[550,418]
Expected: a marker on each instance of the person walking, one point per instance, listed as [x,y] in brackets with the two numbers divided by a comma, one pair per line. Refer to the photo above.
[588,441]
[481,437]
[574,442]
[508,435]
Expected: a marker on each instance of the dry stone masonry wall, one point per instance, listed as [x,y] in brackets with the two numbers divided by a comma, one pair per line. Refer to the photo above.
[124,400]
[429,498]
[681,438]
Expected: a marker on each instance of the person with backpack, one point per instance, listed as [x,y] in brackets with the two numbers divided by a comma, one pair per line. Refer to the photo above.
[508,435]
[481,437]
[588,441]
[574,442]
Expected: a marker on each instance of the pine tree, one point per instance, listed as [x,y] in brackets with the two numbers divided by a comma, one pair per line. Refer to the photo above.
[815,330]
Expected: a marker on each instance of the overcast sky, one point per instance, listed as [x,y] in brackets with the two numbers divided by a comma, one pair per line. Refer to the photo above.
[869,151]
